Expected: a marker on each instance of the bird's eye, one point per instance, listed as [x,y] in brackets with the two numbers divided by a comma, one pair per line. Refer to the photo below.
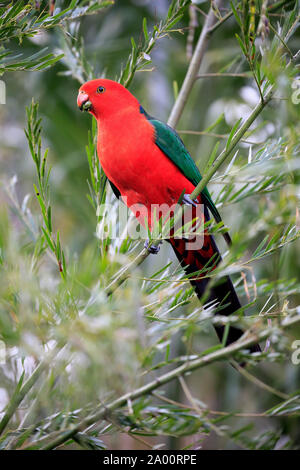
[100,89]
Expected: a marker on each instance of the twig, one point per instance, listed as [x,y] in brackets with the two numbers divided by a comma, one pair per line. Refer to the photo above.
[220,22]
[278,5]
[263,414]
[282,42]
[196,407]
[19,395]
[259,383]
[224,74]
[193,24]
[219,136]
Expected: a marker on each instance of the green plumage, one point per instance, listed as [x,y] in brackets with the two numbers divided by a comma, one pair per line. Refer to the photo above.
[171,144]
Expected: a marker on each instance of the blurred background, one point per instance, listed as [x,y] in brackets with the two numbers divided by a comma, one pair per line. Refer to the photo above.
[115,343]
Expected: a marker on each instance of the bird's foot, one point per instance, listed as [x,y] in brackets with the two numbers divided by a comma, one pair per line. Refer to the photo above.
[153,249]
[188,201]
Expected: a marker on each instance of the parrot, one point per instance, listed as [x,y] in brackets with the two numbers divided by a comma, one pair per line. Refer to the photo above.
[146,164]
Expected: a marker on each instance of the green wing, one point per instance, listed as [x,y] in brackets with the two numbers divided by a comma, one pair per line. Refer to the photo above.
[171,144]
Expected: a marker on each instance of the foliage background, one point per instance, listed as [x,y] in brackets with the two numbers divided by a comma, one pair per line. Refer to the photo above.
[108,346]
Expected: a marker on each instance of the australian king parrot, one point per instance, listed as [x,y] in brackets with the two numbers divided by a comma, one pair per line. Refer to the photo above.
[147,164]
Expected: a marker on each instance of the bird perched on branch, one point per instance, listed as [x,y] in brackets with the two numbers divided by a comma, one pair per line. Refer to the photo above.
[147,164]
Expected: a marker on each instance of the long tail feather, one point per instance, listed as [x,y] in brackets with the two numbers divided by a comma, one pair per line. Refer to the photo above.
[223,292]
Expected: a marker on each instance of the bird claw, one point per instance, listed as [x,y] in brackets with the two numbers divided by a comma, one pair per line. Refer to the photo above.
[188,201]
[153,249]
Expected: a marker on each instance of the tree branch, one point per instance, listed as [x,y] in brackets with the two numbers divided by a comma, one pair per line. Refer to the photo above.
[193,67]
[224,353]
[236,138]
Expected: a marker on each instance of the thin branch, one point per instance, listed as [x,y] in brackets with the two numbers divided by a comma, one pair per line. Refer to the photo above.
[219,136]
[260,383]
[193,67]
[263,414]
[19,395]
[193,24]
[221,21]
[282,41]
[225,74]
[279,5]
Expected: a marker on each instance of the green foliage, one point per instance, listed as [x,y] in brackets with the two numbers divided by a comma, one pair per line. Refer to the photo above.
[101,342]
[33,134]
[20,20]
[140,54]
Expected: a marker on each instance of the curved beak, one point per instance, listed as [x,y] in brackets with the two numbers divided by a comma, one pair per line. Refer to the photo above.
[83,101]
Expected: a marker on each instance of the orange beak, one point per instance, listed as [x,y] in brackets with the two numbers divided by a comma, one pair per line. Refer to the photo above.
[83,101]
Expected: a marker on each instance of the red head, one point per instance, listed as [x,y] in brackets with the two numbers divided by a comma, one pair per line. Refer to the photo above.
[104,98]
